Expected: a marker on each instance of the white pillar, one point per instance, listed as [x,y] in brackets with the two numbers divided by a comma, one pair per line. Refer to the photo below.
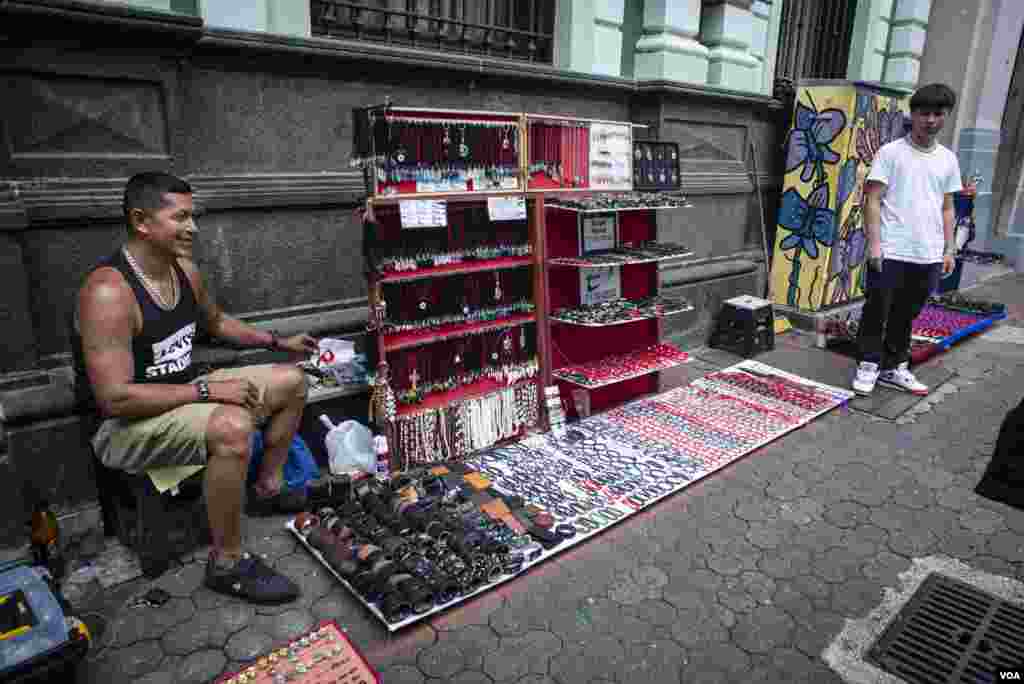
[668,49]
[727,28]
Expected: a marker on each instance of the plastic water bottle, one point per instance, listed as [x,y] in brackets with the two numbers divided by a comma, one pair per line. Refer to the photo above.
[380,447]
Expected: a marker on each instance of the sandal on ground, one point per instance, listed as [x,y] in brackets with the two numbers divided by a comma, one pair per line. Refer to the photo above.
[284,502]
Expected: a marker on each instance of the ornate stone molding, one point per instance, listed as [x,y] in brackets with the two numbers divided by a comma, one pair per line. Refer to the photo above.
[49,200]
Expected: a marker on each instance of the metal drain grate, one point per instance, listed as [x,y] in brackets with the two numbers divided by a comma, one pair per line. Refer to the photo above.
[951,633]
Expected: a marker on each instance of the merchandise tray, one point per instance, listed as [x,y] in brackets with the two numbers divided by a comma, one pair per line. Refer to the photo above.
[480,388]
[623,321]
[465,267]
[584,262]
[564,374]
[415,338]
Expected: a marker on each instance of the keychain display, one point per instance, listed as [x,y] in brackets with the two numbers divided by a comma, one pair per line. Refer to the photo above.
[655,165]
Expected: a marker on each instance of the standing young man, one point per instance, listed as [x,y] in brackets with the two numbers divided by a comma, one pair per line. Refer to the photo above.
[908,219]
[136,317]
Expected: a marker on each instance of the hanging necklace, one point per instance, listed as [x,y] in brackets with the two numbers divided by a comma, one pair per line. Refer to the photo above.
[150,286]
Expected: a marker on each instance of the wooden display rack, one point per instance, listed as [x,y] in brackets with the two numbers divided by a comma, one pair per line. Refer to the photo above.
[552,233]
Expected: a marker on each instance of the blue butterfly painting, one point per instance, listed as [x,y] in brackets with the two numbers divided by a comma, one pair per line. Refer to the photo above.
[810,222]
[850,244]
[809,141]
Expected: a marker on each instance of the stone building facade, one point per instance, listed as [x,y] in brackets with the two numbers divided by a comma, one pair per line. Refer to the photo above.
[250,101]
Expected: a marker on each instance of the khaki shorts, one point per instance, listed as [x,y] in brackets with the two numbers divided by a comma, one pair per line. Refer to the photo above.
[175,438]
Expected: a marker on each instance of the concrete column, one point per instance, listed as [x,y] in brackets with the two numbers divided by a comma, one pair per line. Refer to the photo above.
[727,28]
[668,49]
[590,36]
[869,40]
[906,43]
[771,42]
[289,18]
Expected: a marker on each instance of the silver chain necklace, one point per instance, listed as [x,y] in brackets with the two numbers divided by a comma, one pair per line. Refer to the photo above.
[150,286]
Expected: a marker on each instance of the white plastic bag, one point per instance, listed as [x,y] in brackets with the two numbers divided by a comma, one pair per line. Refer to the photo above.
[349,447]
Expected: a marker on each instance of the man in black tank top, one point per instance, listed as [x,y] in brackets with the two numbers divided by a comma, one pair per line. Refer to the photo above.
[137,315]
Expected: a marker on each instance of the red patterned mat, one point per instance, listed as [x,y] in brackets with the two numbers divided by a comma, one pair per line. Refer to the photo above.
[324,655]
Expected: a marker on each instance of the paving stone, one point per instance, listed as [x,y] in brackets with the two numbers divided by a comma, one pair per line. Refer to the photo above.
[722,530]
[702,621]
[273,546]
[471,677]
[813,471]
[644,583]
[716,658]
[1006,545]
[857,597]
[771,535]
[249,644]
[811,586]
[135,660]
[790,600]
[536,679]
[786,563]
[836,564]
[205,600]
[401,648]
[473,641]
[757,510]
[296,564]
[800,511]
[441,660]
[594,660]
[286,626]
[182,581]
[913,543]
[914,495]
[788,488]
[697,580]
[819,535]
[741,594]
[144,623]
[885,568]
[159,677]
[817,632]
[519,656]
[656,612]
[763,629]
[516,620]
[894,517]
[477,611]
[846,514]
[657,661]
[982,521]
[201,667]
[402,674]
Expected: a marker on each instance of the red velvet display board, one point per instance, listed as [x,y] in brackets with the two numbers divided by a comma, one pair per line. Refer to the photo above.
[463,216]
[572,344]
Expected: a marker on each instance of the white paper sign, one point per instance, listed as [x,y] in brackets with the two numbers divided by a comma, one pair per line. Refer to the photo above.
[600,285]
[423,213]
[506,208]
[597,233]
[611,156]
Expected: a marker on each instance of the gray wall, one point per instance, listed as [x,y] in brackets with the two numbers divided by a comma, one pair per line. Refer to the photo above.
[260,125]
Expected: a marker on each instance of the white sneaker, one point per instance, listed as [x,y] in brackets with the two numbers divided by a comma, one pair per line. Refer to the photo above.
[867,376]
[901,378]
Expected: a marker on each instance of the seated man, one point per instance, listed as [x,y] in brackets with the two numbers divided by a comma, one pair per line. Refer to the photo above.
[137,314]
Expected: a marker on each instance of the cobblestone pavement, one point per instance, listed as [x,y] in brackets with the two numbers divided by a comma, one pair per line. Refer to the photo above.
[743,577]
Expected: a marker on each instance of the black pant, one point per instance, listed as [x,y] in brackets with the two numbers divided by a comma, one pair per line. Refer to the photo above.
[894,298]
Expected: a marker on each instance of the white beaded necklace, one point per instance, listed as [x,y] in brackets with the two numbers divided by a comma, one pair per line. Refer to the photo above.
[151,288]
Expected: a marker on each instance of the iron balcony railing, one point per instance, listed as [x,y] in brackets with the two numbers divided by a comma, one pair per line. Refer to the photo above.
[814,39]
[511,29]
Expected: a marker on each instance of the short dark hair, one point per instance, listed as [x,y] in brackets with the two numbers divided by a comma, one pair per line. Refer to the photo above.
[146,191]
[933,96]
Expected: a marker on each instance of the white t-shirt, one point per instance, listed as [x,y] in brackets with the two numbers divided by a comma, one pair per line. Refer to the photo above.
[916,184]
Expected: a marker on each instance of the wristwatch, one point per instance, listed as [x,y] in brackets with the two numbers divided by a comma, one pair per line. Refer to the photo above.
[204,389]
[274,340]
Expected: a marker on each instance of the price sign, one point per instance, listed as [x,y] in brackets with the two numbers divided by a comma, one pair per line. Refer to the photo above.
[423,213]
[597,232]
[506,208]
[600,285]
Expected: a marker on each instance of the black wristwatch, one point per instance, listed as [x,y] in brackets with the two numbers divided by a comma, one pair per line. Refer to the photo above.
[204,389]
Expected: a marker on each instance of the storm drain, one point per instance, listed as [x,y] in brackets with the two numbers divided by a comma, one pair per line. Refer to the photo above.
[952,633]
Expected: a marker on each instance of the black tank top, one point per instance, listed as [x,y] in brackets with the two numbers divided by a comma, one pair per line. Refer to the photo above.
[162,351]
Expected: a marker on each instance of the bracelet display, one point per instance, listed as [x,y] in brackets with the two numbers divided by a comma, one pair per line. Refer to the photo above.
[620,311]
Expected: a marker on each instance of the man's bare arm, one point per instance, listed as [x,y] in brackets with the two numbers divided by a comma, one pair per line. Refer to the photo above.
[949,224]
[107,320]
[873,191]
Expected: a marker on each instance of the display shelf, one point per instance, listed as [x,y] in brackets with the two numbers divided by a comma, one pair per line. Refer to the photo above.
[404,340]
[639,312]
[480,388]
[621,367]
[500,264]
[604,260]
[455,195]
[617,209]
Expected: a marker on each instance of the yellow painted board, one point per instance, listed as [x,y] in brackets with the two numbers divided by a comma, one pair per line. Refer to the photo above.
[819,243]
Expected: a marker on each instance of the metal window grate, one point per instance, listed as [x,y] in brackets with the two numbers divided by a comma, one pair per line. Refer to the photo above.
[952,633]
